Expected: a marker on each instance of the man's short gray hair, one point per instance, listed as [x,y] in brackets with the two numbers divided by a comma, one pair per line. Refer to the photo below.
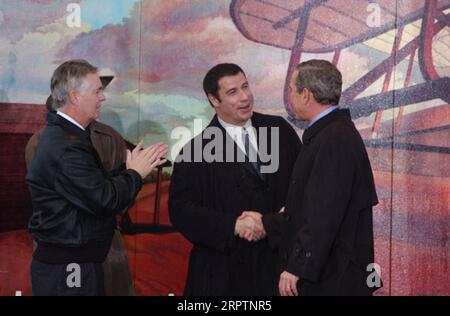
[322,78]
[69,76]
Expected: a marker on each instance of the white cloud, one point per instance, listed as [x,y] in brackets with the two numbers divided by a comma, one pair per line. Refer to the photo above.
[352,66]
[35,53]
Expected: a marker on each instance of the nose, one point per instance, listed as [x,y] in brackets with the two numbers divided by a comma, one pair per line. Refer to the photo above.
[244,95]
[101,96]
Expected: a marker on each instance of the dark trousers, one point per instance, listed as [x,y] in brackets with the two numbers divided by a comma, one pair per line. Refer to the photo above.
[116,270]
[82,279]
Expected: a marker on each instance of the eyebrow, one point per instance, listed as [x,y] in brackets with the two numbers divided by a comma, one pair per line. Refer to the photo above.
[232,89]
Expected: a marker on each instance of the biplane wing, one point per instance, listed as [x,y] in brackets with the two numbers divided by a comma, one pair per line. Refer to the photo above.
[332,24]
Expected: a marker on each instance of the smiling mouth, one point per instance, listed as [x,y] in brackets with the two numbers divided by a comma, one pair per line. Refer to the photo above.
[245,108]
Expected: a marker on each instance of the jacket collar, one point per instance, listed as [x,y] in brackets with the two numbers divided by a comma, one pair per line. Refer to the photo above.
[97,127]
[56,120]
[256,123]
[255,119]
[338,114]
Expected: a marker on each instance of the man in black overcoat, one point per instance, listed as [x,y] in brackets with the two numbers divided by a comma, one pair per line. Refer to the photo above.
[241,162]
[327,245]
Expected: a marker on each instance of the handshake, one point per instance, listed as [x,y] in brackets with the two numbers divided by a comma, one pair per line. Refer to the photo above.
[249,226]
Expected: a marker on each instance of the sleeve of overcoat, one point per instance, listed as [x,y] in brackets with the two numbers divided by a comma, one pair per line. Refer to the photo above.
[201,224]
[290,145]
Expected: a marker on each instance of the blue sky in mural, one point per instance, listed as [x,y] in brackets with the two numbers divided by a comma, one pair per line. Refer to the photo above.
[98,13]
[168,95]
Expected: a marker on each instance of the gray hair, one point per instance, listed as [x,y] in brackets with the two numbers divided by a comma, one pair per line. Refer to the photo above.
[322,78]
[69,76]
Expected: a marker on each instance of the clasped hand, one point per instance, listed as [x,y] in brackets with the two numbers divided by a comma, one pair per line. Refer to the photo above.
[249,226]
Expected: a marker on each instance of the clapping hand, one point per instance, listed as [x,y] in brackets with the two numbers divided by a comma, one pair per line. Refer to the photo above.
[143,160]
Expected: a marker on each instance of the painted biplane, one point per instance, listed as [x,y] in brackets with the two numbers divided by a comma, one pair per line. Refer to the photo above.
[406,129]
[329,26]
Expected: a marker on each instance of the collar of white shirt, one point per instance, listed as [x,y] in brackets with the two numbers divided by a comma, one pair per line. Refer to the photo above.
[71,120]
[235,132]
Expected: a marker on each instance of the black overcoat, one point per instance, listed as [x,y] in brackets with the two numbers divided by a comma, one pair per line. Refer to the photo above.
[205,200]
[327,237]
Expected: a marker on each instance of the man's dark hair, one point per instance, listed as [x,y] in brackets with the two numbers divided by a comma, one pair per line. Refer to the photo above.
[322,78]
[211,80]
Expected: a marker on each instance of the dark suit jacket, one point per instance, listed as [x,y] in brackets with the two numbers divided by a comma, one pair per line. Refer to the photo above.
[327,234]
[205,200]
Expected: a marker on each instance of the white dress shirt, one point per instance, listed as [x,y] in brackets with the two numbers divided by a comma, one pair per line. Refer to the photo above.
[71,120]
[236,132]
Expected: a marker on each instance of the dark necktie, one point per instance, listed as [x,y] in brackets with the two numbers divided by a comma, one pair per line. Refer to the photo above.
[250,151]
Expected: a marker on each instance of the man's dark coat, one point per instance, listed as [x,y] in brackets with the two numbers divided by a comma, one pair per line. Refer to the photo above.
[327,236]
[205,200]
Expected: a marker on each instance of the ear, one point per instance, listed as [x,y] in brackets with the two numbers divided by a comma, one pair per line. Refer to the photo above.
[73,97]
[213,99]
[307,95]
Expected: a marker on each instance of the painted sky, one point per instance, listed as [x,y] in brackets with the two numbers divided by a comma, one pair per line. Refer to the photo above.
[158,51]
[100,13]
